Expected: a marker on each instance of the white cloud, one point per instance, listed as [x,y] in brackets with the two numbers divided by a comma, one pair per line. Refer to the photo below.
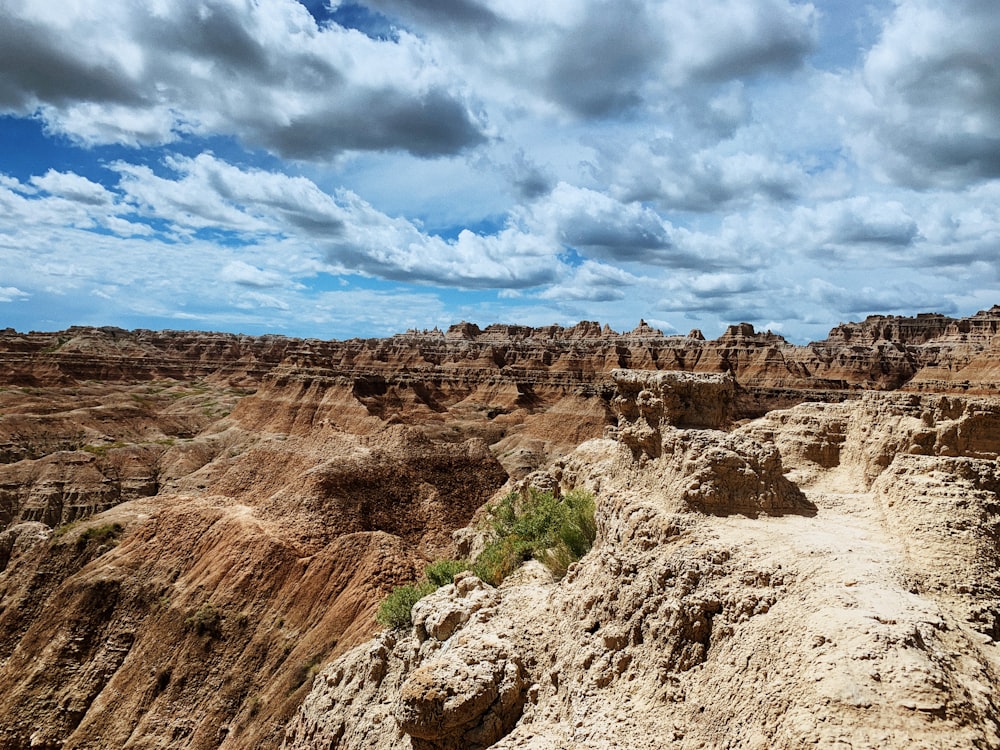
[11,294]
[244,274]
[932,113]
[592,281]
[264,72]
[73,187]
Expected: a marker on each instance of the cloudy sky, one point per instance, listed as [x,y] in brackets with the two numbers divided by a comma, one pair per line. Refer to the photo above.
[350,169]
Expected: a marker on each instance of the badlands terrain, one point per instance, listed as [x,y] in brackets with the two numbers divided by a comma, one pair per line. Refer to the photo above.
[796,545]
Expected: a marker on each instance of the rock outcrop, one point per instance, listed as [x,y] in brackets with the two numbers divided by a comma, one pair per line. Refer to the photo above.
[928,352]
[196,529]
[834,617]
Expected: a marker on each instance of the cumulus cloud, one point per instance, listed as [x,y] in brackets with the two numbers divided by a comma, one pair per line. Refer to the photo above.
[12,293]
[264,72]
[597,59]
[592,282]
[666,171]
[933,94]
[892,297]
[73,187]
[729,39]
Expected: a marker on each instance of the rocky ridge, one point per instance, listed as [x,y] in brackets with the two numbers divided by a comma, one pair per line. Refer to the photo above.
[833,606]
[193,525]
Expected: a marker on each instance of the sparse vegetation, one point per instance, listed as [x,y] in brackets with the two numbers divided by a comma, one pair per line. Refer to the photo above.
[102,450]
[304,672]
[107,533]
[443,572]
[555,531]
[396,609]
[206,620]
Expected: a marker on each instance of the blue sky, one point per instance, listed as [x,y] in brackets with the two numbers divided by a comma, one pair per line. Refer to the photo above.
[358,169]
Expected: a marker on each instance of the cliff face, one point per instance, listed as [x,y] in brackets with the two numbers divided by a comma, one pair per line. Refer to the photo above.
[192,526]
[768,587]
[880,352]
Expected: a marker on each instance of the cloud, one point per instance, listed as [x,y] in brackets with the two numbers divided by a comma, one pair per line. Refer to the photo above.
[889,298]
[591,282]
[263,72]
[464,15]
[598,226]
[348,233]
[719,40]
[932,112]
[244,274]
[73,187]
[597,59]
[666,171]
[12,293]
[600,66]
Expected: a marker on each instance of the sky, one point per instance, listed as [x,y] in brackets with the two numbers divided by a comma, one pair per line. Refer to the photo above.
[342,169]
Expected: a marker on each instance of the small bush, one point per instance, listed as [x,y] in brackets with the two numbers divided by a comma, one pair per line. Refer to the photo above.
[395,610]
[442,572]
[206,620]
[499,559]
[555,531]
[107,534]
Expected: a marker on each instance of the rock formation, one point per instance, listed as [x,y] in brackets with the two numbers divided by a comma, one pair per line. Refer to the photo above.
[196,530]
[830,616]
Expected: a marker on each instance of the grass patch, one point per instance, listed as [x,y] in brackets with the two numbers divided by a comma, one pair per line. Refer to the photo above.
[396,609]
[102,450]
[65,528]
[555,531]
[107,533]
[443,572]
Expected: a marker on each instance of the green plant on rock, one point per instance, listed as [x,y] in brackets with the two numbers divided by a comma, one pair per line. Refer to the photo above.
[206,620]
[556,531]
[106,534]
[395,610]
[442,572]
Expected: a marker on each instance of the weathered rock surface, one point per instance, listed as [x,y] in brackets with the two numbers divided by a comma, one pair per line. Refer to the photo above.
[936,353]
[845,616]
[824,575]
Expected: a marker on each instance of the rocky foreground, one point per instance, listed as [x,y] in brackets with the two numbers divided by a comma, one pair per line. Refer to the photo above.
[796,545]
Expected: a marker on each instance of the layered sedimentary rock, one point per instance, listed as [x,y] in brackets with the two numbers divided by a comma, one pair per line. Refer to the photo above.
[194,526]
[933,351]
[857,610]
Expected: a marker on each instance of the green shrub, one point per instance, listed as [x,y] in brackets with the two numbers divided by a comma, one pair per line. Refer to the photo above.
[107,534]
[206,620]
[555,531]
[395,610]
[499,559]
[442,572]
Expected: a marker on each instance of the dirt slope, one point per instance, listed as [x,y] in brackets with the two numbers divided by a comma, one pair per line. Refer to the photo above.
[192,526]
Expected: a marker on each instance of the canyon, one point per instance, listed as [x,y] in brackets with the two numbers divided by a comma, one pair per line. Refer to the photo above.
[796,544]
